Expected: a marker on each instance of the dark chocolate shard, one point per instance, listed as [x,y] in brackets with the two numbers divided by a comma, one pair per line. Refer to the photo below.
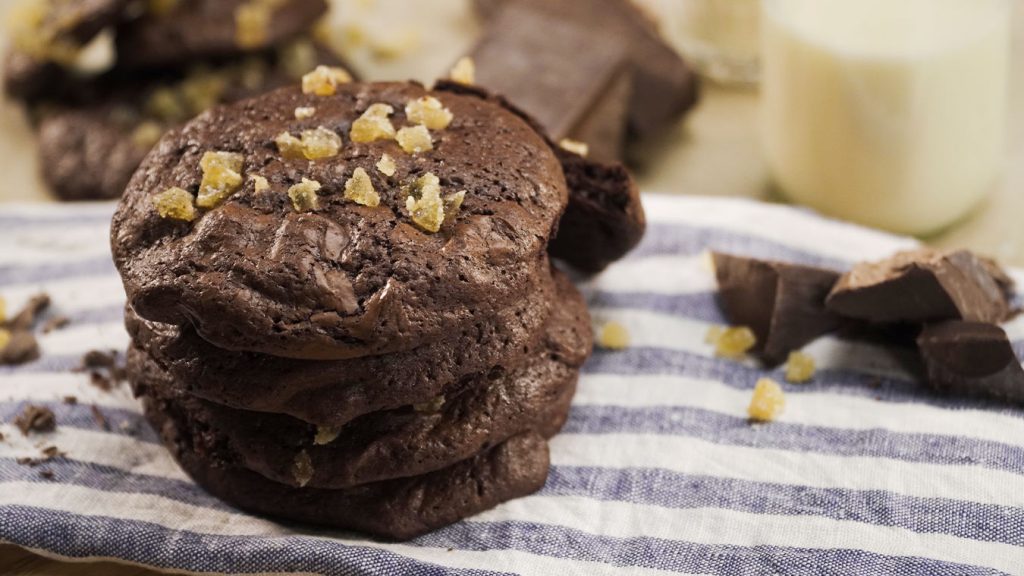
[664,87]
[923,285]
[784,304]
[574,81]
[972,359]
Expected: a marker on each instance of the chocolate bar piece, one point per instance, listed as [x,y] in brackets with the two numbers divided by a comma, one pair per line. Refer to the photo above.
[663,86]
[573,81]
[923,285]
[971,359]
[784,304]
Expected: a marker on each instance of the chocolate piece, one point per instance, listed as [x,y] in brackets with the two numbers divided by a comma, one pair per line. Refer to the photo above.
[201,29]
[664,88]
[35,419]
[21,348]
[923,285]
[971,359]
[605,217]
[345,280]
[784,304]
[26,318]
[525,55]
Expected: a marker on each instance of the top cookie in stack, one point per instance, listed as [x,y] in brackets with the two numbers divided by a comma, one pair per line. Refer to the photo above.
[98,112]
[342,305]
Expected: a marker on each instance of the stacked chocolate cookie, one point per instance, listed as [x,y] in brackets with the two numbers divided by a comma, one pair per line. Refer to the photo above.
[342,305]
[168,60]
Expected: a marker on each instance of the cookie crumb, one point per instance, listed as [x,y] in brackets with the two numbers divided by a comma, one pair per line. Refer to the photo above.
[428,111]
[304,112]
[424,203]
[70,400]
[147,134]
[386,165]
[373,124]
[430,406]
[260,184]
[733,342]
[303,195]
[324,80]
[46,474]
[175,203]
[767,402]
[359,189]
[252,20]
[613,336]
[99,418]
[35,419]
[302,469]
[414,139]
[574,146]
[221,177]
[55,323]
[464,71]
[325,435]
[799,368]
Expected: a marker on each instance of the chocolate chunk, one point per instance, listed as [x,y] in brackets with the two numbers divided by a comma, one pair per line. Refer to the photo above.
[55,323]
[525,55]
[35,419]
[21,348]
[923,285]
[664,88]
[26,318]
[784,304]
[971,359]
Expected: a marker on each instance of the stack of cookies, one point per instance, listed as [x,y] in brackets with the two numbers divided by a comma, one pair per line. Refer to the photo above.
[103,79]
[342,305]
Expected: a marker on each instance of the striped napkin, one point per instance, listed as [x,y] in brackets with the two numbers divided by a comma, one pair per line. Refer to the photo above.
[657,471]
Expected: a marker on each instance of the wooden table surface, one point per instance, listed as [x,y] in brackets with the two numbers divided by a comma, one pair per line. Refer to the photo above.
[714,152]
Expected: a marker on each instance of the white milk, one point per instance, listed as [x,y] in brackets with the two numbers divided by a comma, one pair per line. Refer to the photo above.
[887,112]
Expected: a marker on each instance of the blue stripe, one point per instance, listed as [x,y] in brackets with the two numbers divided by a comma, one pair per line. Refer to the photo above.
[667,489]
[13,221]
[76,536]
[724,429]
[701,306]
[54,271]
[680,556]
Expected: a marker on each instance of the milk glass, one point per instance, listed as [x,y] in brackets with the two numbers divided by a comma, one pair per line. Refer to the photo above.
[887,112]
[720,37]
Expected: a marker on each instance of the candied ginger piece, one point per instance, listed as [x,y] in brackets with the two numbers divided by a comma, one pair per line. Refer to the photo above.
[175,203]
[430,112]
[768,401]
[799,368]
[221,177]
[303,195]
[359,189]
[414,139]
[613,336]
[374,124]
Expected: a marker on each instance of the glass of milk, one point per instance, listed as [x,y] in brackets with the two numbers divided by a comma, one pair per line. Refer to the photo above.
[886,112]
[720,37]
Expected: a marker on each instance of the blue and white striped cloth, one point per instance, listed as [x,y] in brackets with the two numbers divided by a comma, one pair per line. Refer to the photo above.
[657,471]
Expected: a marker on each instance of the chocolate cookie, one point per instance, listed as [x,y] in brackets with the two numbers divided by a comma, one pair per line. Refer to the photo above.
[399,509]
[478,412]
[605,217]
[352,253]
[190,30]
[46,38]
[333,392]
[91,146]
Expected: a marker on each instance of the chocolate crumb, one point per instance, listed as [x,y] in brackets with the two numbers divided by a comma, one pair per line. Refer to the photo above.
[55,323]
[1,436]
[35,419]
[51,452]
[47,474]
[71,400]
[17,347]
[26,461]
[100,419]
[26,318]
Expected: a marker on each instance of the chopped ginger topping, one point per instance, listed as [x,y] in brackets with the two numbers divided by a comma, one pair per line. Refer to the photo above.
[359,189]
[613,336]
[464,71]
[429,112]
[176,204]
[324,80]
[147,134]
[252,21]
[799,368]
[714,334]
[303,195]
[260,184]
[315,144]
[302,469]
[221,177]
[325,435]
[414,139]
[574,146]
[373,125]
[734,342]
[5,338]
[386,165]
[304,112]
[768,401]
[424,203]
